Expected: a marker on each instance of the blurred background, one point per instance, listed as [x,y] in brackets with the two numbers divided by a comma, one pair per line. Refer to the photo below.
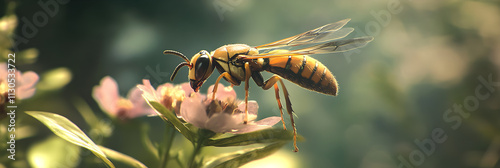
[413,97]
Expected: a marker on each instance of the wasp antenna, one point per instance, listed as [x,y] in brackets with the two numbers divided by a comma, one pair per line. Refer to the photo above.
[176,53]
[177,69]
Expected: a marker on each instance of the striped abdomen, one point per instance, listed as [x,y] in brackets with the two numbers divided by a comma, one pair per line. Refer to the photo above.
[304,71]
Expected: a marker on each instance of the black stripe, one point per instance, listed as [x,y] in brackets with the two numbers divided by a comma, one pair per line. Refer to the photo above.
[314,70]
[304,62]
[248,51]
[228,59]
[217,59]
[287,66]
[322,77]
[265,65]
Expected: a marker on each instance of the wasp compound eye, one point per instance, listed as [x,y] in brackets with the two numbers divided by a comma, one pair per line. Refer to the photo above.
[201,66]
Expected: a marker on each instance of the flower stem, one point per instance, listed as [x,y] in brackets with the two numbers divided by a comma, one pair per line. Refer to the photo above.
[167,144]
[197,149]
[203,136]
[147,142]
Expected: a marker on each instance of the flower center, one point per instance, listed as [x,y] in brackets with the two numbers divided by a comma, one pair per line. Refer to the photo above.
[230,106]
[124,104]
[172,95]
[4,90]
[3,87]
[124,107]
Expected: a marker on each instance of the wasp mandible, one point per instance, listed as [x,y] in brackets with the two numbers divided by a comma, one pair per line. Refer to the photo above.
[240,62]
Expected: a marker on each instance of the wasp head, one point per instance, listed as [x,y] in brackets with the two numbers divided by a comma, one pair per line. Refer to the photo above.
[200,67]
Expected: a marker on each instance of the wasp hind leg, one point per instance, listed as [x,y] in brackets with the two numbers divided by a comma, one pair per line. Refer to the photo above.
[268,85]
[273,82]
[257,77]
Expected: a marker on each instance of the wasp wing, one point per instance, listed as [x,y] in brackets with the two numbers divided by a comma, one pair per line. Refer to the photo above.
[334,46]
[329,47]
[324,33]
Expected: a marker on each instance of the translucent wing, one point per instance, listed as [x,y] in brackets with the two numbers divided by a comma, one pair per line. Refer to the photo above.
[329,47]
[321,34]
[334,46]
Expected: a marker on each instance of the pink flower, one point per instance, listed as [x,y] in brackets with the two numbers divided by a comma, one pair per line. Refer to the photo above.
[106,95]
[24,82]
[167,94]
[223,115]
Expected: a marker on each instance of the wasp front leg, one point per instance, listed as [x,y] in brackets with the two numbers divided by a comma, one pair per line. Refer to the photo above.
[273,82]
[229,78]
[248,74]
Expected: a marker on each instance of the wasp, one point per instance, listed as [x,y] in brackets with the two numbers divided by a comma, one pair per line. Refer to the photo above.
[240,62]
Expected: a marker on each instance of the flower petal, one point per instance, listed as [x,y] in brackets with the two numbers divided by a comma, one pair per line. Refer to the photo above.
[270,121]
[240,117]
[193,110]
[253,107]
[187,88]
[259,125]
[27,83]
[222,122]
[106,95]
[140,107]
[160,89]
[29,78]
[3,71]
[223,93]
[250,128]
[148,91]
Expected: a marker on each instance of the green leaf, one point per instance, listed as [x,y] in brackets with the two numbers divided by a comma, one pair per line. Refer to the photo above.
[55,79]
[53,152]
[240,158]
[169,116]
[112,154]
[68,131]
[264,136]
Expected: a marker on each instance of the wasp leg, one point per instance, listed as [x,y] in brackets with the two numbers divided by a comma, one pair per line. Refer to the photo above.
[226,76]
[277,93]
[248,74]
[268,85]
[272,81]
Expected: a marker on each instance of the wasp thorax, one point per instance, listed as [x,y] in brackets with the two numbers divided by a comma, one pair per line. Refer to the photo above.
[201,69]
